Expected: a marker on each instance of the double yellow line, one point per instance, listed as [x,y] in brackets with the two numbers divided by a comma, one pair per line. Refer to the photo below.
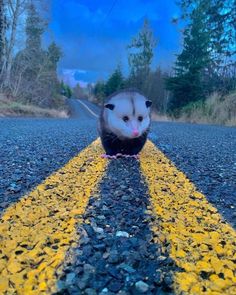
[37,231]
[201,243]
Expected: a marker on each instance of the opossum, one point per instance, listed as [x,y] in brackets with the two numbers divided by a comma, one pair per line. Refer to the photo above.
[124,123]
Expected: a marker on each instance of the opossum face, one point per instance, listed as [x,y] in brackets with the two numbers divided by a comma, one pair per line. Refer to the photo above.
[128,117]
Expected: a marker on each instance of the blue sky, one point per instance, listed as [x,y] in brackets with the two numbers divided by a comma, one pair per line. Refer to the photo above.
[94,41]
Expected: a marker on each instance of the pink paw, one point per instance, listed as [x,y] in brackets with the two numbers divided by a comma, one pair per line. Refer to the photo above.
[119,155]
[105,156]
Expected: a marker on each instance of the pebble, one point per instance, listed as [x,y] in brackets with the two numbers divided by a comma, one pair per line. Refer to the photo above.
[99,230]
[114,257]
[122,234]
[141,287]
[161,258]
[70,277]
[126,198]
[127,268]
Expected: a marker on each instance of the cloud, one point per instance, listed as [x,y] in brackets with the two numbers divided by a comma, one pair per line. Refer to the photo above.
[96,41]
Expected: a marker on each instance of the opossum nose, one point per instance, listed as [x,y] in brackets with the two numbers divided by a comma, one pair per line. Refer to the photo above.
[135,132]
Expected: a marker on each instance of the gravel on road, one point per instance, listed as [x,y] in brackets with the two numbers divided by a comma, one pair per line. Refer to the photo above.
[116,252]
[207,155]
[31,149]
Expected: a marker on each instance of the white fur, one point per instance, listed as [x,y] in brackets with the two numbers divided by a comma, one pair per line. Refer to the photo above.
[124,107]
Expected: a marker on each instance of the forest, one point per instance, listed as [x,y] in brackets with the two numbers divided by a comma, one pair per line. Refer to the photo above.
[202,81]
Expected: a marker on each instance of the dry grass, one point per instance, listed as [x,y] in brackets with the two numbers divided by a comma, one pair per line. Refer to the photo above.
[11,108]
[215,110]
[161,118]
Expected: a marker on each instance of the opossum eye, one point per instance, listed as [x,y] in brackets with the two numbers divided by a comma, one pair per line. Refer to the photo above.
[109,106]
[148,103]
[125,118]
[140,118]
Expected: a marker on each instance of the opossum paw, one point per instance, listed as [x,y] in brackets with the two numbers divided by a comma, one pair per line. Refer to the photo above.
[105,156]
[136,156]
[119,155]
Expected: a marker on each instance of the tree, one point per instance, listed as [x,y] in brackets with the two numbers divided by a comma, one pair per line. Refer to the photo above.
[156,90]
[188,83]
[220,23]
[54,54]
[115,82]
[140,57]
[79,92]
[34,77]
[14,10]
[65,90]
[31,62]
[100,91]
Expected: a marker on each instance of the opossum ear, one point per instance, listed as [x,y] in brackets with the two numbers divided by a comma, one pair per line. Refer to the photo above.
[109,106]
[148,103]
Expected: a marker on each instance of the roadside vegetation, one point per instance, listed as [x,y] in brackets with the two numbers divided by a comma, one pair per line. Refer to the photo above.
[14,108]
[214,110]
[28,72]
[201,86]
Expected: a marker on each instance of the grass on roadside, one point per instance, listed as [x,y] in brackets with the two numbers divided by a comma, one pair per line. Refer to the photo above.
[11,108]
[215,110]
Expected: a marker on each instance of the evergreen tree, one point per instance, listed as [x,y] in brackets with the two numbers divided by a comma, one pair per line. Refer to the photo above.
[54,54]
[220,23]
[100,91]
[188,84]
[65,90]
[140,57]
[37,68]
[33,51]
[115,82]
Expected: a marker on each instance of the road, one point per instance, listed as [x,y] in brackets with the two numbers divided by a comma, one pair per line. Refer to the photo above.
[122,235]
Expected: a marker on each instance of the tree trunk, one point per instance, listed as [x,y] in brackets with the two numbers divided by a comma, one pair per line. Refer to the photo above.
[2,38]
[16,14]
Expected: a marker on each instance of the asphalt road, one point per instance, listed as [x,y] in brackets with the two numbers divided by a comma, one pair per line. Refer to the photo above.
[116,250]
[31,149]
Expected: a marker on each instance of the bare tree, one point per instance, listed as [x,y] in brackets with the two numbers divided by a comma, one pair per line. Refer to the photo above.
[14,9]
[2,35]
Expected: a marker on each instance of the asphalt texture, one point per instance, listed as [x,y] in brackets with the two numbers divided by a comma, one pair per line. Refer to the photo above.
[31,149]
[116,251]
[207,155]
[106,261]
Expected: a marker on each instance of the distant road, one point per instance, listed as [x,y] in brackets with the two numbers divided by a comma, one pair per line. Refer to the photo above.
[88,110]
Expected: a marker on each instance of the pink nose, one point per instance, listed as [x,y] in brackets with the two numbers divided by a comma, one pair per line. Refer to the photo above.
[135,132]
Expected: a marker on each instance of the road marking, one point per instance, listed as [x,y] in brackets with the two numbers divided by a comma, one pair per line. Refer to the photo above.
[200,242]
[36,232]
[91,112]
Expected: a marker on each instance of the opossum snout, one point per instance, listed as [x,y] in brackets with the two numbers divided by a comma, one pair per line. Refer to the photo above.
[135,132]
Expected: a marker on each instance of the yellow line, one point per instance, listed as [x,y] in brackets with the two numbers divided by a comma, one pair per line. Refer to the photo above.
[36,232]
[200,241]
